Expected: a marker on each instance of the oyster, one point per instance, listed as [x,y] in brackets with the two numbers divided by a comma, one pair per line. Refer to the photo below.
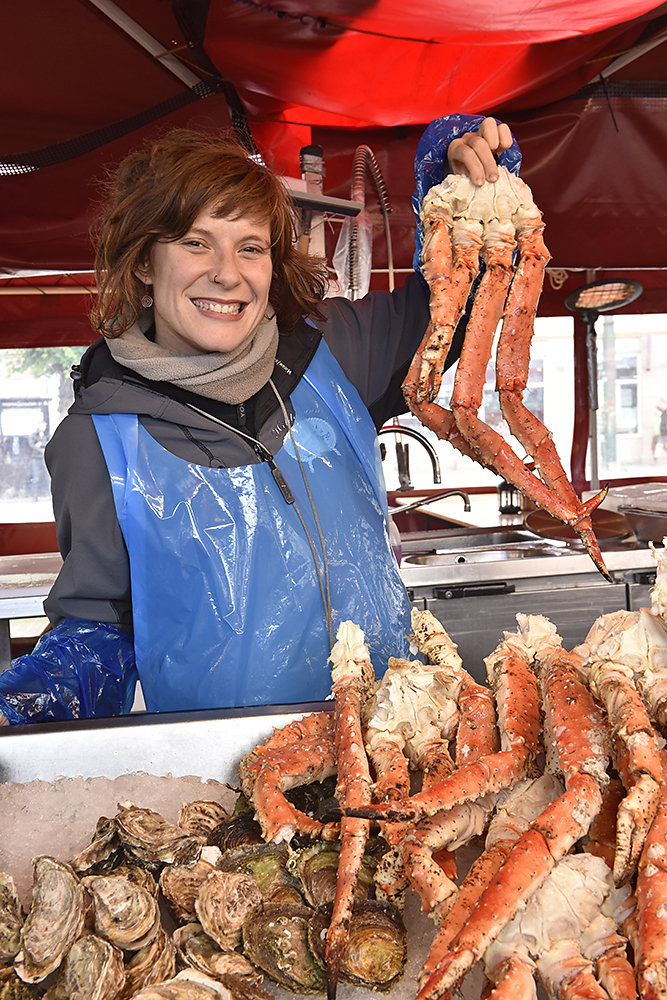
[185,986]
[376,950]
[316,868]
[125,914]
[241,989]
[316,798]
[93,970]
[180,887]
[276,940]
[11,919]
[196,949]
[149,838]
[103,853]
[224,902]
[200,817]
[54,922]
[153,963]
[13,988]
[140,876]
[268,865]
[241,830]
[230,987]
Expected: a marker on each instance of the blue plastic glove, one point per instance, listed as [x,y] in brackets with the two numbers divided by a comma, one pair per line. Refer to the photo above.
[78,670]
[431,162]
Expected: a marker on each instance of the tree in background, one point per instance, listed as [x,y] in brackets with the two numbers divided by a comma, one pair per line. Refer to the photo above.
[46,361]
[23,475]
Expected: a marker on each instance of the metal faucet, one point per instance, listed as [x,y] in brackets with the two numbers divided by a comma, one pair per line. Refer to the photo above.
[431,499]
[410,432]
[455,493]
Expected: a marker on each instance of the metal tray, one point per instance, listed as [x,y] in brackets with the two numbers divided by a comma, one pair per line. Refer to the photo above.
[207,743]
[46,762]
[648,526]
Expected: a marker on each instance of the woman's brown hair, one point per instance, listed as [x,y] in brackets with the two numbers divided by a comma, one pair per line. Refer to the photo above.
[158,192]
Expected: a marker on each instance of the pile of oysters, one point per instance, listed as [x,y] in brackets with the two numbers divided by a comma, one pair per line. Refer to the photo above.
[189,911]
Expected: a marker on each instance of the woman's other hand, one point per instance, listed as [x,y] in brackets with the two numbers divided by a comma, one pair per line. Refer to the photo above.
[474,153]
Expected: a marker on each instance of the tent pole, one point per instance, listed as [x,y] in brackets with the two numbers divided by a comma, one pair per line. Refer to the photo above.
[592,369]
[581,428]
[158,51]
[628,57]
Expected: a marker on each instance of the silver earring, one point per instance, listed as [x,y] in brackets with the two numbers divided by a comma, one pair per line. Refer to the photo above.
[147,301]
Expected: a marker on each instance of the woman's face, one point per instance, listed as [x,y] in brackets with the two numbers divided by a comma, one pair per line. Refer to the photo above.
[211,287]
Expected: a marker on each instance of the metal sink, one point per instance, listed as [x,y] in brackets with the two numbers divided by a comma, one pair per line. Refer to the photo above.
[486,546]
[492,554]
[475,539]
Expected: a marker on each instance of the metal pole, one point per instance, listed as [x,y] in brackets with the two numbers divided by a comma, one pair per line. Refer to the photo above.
[592,369]
[608,415]
[630,56]
[135,31]
[312,172]
[580,431]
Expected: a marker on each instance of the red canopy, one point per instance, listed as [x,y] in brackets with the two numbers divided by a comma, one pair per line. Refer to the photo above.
[84,81]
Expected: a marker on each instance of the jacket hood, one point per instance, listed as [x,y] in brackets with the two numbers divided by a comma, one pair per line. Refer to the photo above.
[102,385]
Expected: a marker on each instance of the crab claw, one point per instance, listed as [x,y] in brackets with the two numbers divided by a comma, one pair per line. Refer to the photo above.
[584,528]
[352,685]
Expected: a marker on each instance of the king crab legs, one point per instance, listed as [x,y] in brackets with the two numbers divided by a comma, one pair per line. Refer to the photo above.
[624,662]
[576,738]
[624,657]
[462,223]
[416,711]
[614,646]
[651,891]
[517,699]
[302,751]
[311,749]
[516,810]
[353,678]
[568,933]
[576,741]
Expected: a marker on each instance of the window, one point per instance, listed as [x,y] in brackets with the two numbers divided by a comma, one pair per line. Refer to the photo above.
[632,398]
[549,395]
[626,401]
[632,376]
[35,392]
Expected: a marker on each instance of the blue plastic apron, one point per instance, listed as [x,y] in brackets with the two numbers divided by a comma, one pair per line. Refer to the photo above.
[226,603]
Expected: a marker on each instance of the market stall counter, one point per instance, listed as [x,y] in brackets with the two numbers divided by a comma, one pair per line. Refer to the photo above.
[25,581]
[58,779]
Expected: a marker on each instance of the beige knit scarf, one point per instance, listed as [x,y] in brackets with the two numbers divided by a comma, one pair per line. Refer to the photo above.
[230,378]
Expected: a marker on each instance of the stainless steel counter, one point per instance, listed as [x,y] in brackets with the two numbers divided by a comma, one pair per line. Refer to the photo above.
[475,583]
[509,555]
[59,819]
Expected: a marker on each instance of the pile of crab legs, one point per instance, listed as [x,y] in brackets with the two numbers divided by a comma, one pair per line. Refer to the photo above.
[498,226]
[558,762]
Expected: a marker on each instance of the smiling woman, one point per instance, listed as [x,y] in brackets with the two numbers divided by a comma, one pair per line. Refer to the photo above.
[163,193]
[217,484]
[210,289]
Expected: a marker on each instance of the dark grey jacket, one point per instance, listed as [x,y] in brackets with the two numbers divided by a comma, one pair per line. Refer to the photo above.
[373,340]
